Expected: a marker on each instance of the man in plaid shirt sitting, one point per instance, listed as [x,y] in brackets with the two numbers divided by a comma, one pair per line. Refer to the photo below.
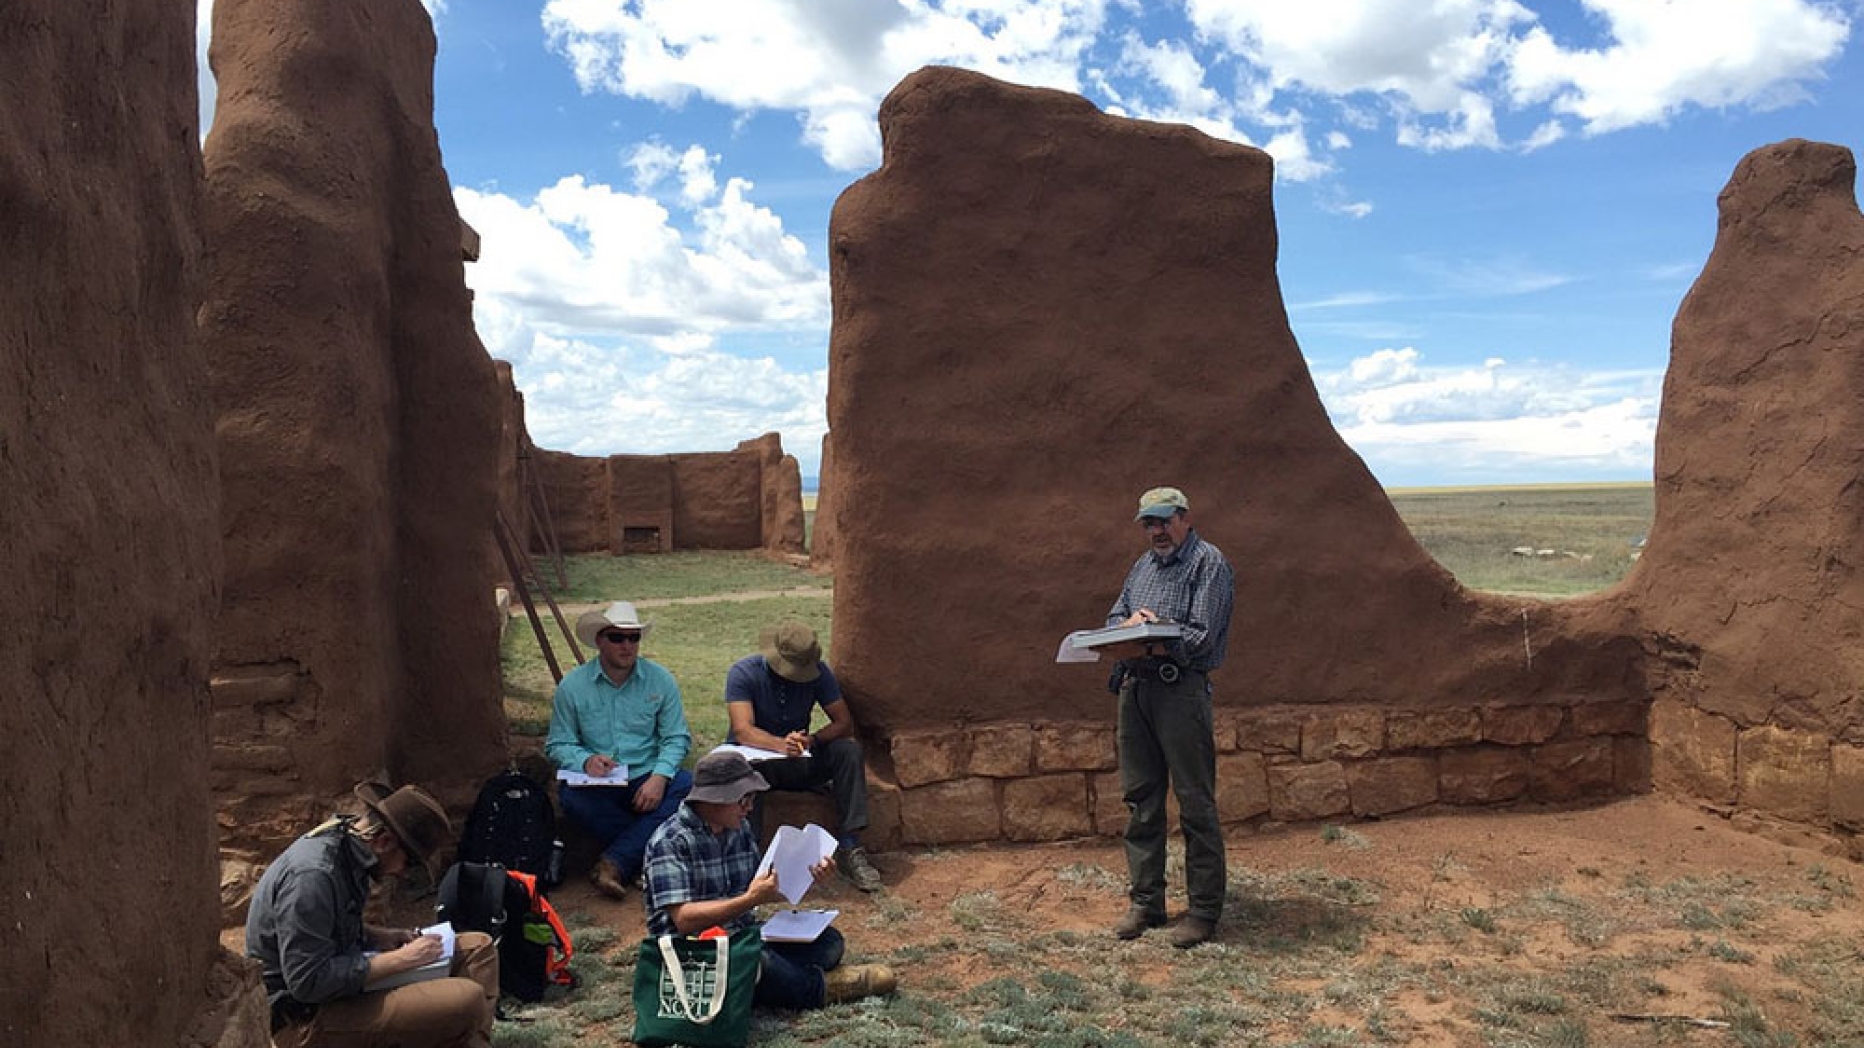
[702,873]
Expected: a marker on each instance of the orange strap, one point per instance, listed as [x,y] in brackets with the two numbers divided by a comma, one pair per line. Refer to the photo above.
[557,960]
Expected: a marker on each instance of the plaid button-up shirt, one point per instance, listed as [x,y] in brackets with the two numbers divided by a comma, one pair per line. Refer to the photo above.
[1195,588]
[687,862]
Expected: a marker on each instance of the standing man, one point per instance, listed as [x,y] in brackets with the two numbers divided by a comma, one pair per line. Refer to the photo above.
[619,711]
[770,697]
[702,873]
[1165,717]
[323,967]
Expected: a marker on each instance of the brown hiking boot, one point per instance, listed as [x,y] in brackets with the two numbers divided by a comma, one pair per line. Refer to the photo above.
[607,879]
[851,982]
[1192,930]
[1136,921]
[854,866]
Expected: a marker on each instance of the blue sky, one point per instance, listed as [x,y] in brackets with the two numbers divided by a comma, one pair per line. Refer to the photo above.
[1489,210]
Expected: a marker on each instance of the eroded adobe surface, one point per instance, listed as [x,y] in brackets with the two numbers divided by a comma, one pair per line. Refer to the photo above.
[746,498]
[107,531]
[359,421]
[1750,589]
[1033,327]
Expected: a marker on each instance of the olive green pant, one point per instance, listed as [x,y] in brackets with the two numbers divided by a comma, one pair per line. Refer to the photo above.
[453,1012]
[1166,740]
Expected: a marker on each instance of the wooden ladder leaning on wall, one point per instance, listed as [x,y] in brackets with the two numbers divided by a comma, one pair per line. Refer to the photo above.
[522,570]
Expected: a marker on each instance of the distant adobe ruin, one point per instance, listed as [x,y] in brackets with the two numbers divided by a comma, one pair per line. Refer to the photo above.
[1073,307]
[746,498]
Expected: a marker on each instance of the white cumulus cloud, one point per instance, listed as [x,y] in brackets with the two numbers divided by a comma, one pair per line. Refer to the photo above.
[1665,56]
[1491,419]
[586,257]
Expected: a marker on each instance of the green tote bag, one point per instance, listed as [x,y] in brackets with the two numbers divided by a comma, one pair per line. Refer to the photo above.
[696,992]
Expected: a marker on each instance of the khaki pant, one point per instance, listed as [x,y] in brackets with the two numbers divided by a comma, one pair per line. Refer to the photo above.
[455,1012]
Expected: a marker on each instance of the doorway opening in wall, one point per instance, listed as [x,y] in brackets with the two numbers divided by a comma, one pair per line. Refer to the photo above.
[640,540]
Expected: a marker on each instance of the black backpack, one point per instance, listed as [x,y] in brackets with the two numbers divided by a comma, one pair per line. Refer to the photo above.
[512,824]
[533,946]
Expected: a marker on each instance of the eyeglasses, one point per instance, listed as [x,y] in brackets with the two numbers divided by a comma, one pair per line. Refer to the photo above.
[1148,523]
[621,636]
[747,802]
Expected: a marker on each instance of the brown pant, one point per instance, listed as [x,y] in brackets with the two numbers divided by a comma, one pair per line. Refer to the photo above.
[455,1012]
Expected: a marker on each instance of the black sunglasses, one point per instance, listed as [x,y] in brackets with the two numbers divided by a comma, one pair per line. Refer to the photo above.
[621,636]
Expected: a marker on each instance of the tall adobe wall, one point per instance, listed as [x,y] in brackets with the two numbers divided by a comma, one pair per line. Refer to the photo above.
[359,421]
[1034,328]
[108,534]
[1039,312]
[1752,585]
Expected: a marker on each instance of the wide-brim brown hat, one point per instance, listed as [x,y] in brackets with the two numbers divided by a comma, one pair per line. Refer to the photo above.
[417,820]
[724,777]
[620,615]
[792,651]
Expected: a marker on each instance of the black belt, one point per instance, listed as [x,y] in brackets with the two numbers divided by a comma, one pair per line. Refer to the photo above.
[1164,671]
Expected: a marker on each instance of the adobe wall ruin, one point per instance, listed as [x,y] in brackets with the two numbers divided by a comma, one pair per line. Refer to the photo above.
[1074,307]
[359,423]
[109,535]
[746,498]
[1750,591]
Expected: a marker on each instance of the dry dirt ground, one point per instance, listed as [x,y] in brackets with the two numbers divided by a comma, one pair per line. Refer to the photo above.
[1508,928]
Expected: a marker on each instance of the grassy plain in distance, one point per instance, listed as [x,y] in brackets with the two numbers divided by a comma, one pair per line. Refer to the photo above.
[1472,531]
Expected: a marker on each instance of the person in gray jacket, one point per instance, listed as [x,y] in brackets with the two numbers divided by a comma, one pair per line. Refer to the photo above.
[335,981]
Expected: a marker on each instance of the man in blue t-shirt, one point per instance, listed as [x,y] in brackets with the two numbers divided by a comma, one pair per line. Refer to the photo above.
[770,697]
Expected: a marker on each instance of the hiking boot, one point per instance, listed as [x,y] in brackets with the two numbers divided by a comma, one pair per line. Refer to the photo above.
[1191,931]
[1136,921]
[855,981]
[854,866]
[607,879]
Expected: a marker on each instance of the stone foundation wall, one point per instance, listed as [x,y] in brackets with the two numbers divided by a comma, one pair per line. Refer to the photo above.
[1053,780]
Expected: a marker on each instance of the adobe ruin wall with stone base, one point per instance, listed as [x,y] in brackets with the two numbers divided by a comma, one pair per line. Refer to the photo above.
[749,498]
[359,422]
[1074,307]
[1750,592]
[110,536]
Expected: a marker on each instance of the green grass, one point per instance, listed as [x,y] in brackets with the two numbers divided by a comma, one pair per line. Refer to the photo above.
[696,642]
[597,577]
[1472,531]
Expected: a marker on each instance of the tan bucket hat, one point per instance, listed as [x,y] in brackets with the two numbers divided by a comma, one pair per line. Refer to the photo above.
[792,651]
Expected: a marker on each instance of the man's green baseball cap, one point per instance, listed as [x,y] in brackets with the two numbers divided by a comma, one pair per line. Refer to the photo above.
[1161,502]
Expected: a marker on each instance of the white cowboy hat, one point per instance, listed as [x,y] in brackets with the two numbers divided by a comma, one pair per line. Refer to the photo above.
[620,615]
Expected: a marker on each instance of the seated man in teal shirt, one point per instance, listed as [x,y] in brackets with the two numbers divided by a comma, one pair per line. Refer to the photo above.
[619,710]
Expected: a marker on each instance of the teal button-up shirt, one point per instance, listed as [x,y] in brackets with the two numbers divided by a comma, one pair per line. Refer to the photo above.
[642,723]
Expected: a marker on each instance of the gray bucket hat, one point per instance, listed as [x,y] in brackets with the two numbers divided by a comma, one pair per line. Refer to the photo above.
[725,777]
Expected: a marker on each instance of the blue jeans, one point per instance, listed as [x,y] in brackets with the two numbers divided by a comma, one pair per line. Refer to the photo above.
[608,812]
[792,973]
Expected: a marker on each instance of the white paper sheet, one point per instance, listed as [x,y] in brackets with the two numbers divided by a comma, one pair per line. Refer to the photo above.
[753,753]
[798,925]
[618,777]
[792,852]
